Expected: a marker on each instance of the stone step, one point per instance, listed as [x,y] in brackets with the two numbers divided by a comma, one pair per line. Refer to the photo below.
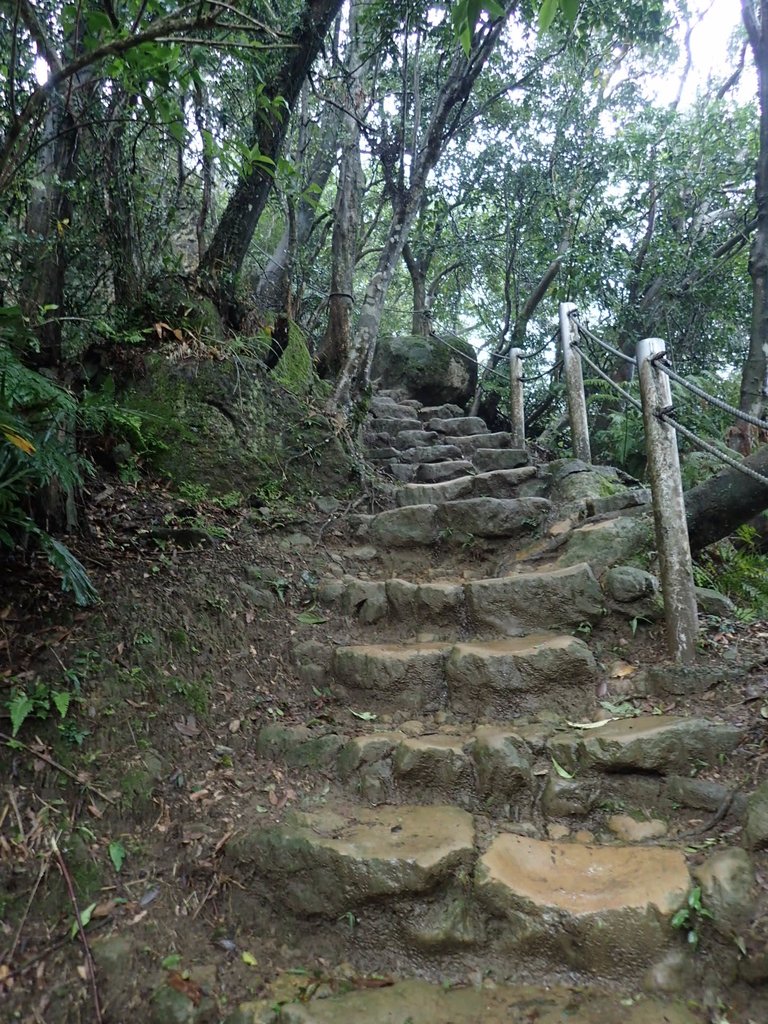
[458,521]
[499,767]
[388,408]
[458,426]
[438,472]
[471,443]
[393,425]
[501,483]
[415,1001]
[430,453]
[509,605]
[488,459]
[499,678]
[440,412]
[405,439]
[428,879]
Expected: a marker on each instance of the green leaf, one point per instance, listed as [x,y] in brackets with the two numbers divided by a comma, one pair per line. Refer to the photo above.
[85,917]
[20,706]
[680,918]
[61,700]
[311,618]
[117,854]
[170,962]
[562,772]
[367,716]
[248,958]
[570,9]
[547,12]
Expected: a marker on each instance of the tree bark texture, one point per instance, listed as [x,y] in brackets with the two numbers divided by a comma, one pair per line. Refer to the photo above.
[717,507]
[755,371]
[223,260]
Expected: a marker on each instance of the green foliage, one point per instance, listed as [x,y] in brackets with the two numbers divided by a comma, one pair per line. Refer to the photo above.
[690,918]
[737,568]
[43,700]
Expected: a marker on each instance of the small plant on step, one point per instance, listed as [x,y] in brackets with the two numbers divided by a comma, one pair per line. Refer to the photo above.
[690,918]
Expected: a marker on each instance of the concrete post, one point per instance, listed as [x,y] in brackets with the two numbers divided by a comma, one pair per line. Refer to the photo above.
[675,565]
[574,385]
[516,406]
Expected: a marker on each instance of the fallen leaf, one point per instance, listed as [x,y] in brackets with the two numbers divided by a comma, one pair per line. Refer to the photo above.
[562,772]
[187,727]
[248,958]
[234,725]
[186,986]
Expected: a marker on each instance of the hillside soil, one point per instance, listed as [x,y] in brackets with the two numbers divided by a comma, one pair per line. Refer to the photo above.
[125,806]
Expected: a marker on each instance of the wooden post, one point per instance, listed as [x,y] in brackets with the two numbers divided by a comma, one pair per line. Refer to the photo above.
[675,565]
[516,406]
[574,385]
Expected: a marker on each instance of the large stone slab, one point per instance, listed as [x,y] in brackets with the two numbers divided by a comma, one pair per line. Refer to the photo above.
[405,439]
[409,676]
[596,908]
[337,858]
[402,527]
[490,517]
[430,603]
[419,1002]
[502,483]
[518,676]
[433,763]
[436,472]
[488,459]
[431,453]
[440,412]
[470,444]
[459,426]
[394,424]
[551,600]
[612,542]
[390,409]
[502,763]
[649,743]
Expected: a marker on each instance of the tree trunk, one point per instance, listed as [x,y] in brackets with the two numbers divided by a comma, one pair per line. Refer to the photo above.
[271,286]
[421,321]
[444,121]
[335,345]
[717,507]
[223,260]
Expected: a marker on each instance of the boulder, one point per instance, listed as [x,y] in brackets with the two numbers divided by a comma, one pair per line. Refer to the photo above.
[434,371]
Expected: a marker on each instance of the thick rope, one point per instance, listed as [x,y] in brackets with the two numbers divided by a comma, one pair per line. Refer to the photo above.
[733,463]
[603,344]
[664,366]
[601,373]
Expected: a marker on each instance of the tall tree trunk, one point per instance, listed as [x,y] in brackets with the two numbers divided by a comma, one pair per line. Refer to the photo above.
[223,259]
[717,507]
[755,371]
[271,286]
[335,345]
[443,123]
[421,321]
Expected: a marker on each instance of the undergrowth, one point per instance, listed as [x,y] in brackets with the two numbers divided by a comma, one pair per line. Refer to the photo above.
[736,567]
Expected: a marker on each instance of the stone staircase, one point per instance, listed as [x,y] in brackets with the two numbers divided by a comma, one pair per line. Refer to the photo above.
[476,810]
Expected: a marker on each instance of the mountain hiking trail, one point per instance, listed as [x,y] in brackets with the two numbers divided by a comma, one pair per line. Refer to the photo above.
[408,757]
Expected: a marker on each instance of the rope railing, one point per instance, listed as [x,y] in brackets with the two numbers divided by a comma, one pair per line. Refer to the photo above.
[755,421]
[661,426]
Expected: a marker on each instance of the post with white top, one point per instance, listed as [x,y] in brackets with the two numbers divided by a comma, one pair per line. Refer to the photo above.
[674,549]
[574,385]
[516,406]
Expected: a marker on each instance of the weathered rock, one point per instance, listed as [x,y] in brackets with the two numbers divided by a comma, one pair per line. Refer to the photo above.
[617,502]
[489,459]
[491,517]
[625,584]
[336,859]
[413,675]
[414,439]
[756,830]
[390,409]
[569,798]
[502,762]
[610,903]
[437,472]
[555,599]
[367,600]
[630,830]
[610,542]
[573,480]
[712,602]
[727,881]
[419,1002]
[365,750]
[394,425]
[402,527]
[518,676]
[434,371]
[299,746]
[436,763]
[433,453]
[425,602]
[440,412]
[471,442]
[449,924]
[651,743]
[459,426]
[437,493]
